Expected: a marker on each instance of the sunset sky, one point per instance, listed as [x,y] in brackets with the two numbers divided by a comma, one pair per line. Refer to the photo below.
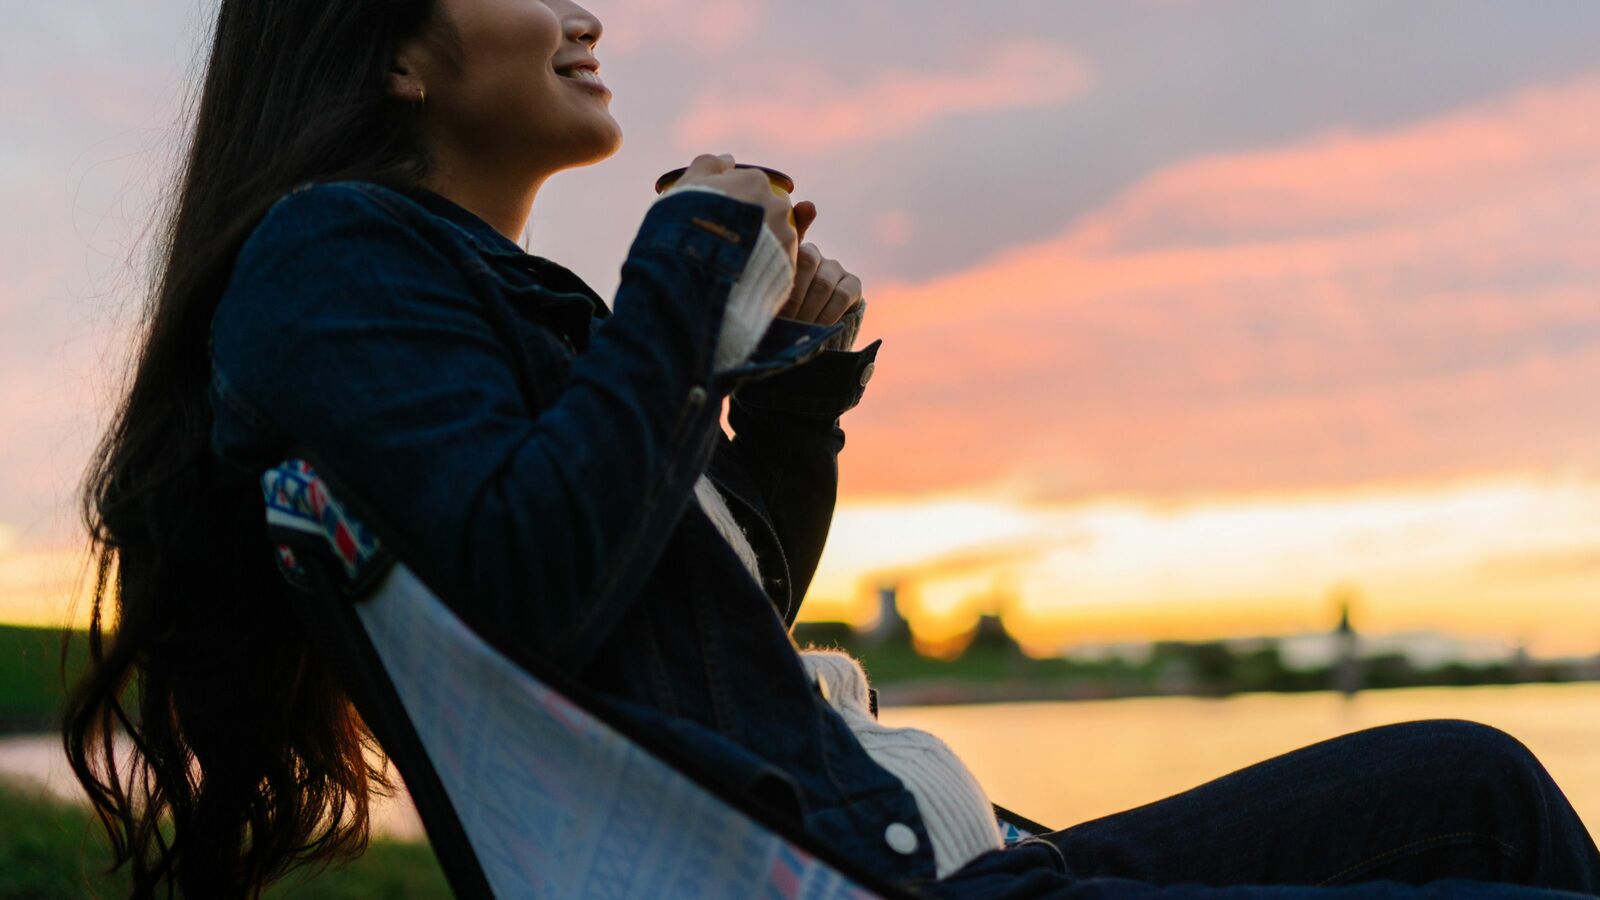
[1193,313]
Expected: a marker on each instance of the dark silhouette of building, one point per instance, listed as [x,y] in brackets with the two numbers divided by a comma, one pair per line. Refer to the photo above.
[891,626]
[989,637]
[1521,665]
[1347,674]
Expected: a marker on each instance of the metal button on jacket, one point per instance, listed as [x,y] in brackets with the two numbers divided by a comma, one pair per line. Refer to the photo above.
[900,838]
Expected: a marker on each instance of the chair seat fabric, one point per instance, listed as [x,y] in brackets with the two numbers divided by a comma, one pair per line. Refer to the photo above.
[557,804]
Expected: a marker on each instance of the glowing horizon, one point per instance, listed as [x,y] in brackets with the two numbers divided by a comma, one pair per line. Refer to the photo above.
[1510,558]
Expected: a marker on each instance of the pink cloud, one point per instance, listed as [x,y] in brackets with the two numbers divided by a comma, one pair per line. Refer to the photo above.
[704,25]
[808,109]
[894,228]
[1357,308]
[1346,181]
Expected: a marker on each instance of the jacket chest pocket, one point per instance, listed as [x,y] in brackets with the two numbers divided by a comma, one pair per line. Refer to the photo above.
[562,309]
[545,333]
[566,318]
[546,358]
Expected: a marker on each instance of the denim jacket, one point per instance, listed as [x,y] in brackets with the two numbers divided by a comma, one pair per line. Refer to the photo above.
[532,455]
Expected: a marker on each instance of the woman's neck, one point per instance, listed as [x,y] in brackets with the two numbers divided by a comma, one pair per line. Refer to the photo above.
[505,204]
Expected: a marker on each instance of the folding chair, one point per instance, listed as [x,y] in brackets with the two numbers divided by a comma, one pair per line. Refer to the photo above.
[525,791]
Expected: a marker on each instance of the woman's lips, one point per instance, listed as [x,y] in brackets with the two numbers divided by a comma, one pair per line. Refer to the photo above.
[586,77]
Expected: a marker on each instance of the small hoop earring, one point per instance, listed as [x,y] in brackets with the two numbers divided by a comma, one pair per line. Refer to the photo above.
[422,96]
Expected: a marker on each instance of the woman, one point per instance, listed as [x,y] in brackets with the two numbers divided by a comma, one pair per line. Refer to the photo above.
[342,279]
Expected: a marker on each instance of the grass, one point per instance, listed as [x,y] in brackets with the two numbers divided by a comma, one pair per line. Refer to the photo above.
[53,849]
[31,692]
[50,849]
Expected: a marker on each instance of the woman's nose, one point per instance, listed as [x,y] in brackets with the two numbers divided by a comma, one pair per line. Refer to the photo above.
[582,26]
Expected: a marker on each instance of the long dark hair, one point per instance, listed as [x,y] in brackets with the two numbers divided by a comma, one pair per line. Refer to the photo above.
[247,759]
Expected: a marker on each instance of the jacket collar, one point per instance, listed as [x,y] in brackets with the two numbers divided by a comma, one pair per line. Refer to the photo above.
[490,242]
[480,233]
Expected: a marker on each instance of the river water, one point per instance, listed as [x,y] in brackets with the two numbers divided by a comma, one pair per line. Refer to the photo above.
[1064,763]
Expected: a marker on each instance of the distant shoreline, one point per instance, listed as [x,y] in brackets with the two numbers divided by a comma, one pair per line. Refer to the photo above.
[32,693]
[956,692]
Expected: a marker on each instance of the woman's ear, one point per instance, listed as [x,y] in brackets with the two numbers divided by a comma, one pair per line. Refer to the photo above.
[404,77]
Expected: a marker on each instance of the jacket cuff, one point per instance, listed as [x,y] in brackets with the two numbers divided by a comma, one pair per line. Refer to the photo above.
[762,288]
[754,301]
[829,385]
[703,228]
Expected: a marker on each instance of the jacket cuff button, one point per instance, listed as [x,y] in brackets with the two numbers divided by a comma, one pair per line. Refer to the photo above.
[900,838]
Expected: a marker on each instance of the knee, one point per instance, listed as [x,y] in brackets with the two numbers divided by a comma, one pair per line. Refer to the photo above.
[1479,739]
[1471,749]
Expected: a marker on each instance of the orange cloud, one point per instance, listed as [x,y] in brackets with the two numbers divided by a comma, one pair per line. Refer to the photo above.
[812,110]
[1412,304]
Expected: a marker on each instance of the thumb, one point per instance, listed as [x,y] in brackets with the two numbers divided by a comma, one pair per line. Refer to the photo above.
[805,212]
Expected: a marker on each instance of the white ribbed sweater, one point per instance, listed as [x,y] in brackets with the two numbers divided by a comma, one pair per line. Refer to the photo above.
[955,811]
[954,807]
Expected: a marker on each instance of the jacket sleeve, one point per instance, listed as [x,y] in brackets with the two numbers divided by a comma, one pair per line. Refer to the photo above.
[344,332]
[787,436]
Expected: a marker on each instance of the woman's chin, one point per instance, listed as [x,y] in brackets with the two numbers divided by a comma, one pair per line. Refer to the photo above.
[602,144]
[614,141]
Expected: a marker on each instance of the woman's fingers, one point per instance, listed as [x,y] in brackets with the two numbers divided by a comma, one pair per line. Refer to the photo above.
[706,164]
[807,260]
[820,291]
[846,294]
[823,289]
[805,212]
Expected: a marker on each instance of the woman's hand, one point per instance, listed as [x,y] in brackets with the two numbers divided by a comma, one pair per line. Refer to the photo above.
[750,186]
[823,289]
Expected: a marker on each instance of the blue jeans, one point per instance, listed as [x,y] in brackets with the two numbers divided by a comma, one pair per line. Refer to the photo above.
[1435,808]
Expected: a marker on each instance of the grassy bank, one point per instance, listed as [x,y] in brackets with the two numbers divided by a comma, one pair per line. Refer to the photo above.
[53,849]
[50,849]
[31,691]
